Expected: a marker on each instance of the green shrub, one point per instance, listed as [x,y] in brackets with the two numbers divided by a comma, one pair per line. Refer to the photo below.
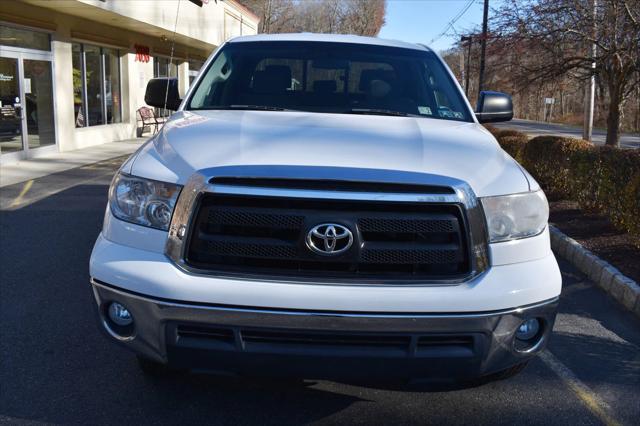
[511,141]
[507,133]
[584,177]
[601,179]
[618,194]
[514,145]
[501,133]
[549,159]
[492,129]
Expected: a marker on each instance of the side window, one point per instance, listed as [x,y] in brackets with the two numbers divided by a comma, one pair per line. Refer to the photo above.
[210,85]
[440,97]
[440,88]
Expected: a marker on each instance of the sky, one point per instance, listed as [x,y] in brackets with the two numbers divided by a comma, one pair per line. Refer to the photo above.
[422,21]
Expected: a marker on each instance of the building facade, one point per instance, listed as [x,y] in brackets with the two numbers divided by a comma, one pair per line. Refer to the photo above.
[73,72]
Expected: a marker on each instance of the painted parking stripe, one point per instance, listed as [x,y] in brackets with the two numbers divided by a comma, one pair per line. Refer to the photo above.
[588,397]
[25,189]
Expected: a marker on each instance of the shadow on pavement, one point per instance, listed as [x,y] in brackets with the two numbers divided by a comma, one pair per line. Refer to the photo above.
[599,341]
[57,367]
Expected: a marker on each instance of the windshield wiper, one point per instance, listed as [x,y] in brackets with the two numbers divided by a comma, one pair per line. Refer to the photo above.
[372,111]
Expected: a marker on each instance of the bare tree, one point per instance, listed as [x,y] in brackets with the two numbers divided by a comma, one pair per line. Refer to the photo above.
[551,39]
[275,15]
[361,17]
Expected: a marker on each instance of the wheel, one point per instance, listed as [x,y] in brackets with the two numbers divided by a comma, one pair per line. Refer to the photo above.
[498,375]
[508,372]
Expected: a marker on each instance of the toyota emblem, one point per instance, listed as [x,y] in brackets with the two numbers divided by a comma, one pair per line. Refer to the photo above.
[329,239]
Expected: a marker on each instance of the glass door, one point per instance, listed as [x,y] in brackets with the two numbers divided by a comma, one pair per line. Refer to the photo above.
[27,125]
[10,106]
[38,105]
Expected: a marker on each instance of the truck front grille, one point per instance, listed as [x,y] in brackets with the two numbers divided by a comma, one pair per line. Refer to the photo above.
[264,236]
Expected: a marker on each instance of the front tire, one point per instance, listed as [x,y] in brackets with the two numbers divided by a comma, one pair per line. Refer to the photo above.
[507,373]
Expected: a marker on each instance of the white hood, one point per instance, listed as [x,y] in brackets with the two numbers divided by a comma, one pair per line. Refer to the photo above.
[193,141]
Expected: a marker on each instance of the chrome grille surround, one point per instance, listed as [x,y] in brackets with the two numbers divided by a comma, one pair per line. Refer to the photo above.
[199,184]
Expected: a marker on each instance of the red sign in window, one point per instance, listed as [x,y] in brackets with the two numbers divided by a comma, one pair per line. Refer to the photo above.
[142,53]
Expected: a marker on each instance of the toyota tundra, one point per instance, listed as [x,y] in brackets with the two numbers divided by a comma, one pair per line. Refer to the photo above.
[329,207]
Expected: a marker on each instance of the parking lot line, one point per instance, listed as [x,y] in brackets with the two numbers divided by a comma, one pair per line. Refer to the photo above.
[588,397]
[25,189]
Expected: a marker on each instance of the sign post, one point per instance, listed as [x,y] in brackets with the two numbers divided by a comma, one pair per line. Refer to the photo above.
[590,89]
[546,115]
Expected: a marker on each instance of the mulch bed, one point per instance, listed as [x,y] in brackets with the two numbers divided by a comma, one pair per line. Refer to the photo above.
[597,234]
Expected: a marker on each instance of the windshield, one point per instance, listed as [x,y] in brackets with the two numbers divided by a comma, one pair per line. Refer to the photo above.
[329,77]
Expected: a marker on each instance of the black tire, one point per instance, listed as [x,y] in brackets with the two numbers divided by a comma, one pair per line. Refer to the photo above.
[509,372]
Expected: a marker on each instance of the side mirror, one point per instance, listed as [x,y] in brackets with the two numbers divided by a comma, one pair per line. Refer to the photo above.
[493,107]
[159,89]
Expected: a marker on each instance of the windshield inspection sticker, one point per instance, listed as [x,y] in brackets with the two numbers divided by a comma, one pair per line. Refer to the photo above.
[424,110]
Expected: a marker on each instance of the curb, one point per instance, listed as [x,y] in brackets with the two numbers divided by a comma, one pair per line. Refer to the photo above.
[607,277]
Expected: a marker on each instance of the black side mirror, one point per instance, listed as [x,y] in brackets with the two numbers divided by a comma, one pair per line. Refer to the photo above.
[159,89]
[493,107]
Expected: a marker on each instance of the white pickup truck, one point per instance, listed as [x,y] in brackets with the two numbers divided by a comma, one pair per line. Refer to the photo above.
[326,206]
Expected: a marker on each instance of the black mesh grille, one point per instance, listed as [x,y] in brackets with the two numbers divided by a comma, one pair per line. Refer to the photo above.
[247,249]
[253,220]
[410,256]
[368,224]
[265,236]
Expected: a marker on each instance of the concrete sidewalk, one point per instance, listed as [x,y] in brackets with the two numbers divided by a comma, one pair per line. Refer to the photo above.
[38,167]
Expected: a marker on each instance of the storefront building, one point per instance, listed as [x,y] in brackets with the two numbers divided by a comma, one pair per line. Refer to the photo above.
[73,72]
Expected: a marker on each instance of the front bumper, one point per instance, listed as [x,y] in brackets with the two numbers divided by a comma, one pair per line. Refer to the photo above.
[522,280]
[322,344]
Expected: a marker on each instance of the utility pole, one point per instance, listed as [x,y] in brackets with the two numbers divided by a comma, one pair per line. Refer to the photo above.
[467,72]
[462,70]
[637,126]
[483,45]
[590,89]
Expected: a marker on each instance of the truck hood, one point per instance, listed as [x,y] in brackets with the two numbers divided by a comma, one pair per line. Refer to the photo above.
[193,141]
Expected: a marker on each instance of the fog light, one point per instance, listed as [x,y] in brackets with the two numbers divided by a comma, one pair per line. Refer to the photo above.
[119,314]
[528,329]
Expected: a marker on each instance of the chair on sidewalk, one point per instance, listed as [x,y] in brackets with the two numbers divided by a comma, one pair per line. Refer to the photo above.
[148,118]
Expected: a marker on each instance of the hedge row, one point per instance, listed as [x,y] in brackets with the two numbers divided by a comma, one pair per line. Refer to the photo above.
[601,179]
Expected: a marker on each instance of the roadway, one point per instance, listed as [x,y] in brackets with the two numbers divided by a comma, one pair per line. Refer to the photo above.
[537,128]
[56,367]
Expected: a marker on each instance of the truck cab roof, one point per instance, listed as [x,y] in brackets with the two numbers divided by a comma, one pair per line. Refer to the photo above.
[332,38]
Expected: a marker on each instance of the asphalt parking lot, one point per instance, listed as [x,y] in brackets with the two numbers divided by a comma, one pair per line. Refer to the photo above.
[56,367]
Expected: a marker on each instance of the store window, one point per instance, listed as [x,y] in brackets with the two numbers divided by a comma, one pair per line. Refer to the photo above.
[163,67]
[17,37]
[78,98]
[112,85]
[93,79]
[96,85]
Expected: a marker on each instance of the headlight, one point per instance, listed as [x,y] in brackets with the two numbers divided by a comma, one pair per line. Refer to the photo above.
[515,216]
[143,201]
